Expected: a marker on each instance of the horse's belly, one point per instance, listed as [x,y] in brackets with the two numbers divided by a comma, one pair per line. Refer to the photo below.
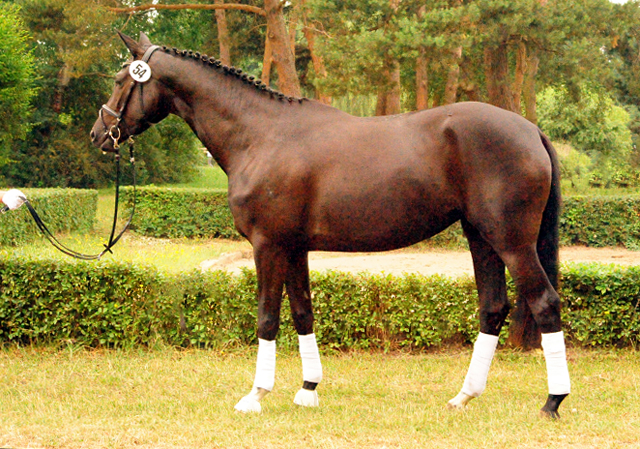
[358,224]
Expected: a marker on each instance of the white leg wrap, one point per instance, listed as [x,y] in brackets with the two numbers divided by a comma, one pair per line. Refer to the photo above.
[265,378]
[555,355]
[266,365]
[476,380]
[311,366]
[311,370]
[483,351]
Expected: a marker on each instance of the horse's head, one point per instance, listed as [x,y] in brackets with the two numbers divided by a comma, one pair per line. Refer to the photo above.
[136,102]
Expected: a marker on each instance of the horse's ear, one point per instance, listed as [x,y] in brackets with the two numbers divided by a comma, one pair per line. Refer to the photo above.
[144,40]
[134,47]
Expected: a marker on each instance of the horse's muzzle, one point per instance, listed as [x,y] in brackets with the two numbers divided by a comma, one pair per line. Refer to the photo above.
[100,137]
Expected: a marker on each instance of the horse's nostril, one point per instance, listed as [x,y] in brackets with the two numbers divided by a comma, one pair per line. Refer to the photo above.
[92,135]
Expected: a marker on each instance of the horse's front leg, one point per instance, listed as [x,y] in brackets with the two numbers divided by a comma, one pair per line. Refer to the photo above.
[271,266]
[299,293]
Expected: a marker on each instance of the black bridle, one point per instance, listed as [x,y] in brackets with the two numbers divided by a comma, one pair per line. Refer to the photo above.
[115,134]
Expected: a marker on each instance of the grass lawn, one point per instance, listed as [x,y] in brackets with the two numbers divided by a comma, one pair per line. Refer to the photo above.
[171,398]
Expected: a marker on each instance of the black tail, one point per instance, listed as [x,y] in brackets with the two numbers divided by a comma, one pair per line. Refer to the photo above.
[523,329]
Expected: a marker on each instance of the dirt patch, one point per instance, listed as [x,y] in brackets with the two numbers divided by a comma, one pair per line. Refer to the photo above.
[447,263]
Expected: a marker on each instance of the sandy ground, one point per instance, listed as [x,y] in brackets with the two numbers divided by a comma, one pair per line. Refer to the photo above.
[448,263]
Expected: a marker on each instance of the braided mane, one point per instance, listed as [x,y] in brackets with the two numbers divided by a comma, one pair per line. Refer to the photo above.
[238,73]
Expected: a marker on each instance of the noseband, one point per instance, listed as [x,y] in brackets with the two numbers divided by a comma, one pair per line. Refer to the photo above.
[114,131]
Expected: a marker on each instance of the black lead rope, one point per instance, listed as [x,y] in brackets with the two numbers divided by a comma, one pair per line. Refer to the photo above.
[113,239]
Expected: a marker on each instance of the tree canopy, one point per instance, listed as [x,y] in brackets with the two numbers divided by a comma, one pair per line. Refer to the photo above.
[17,76]
[569,65]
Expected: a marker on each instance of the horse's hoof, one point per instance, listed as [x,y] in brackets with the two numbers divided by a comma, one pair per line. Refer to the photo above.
[459,402]
[248,404]
[306,398]
[251,402]
[549,414]
[550,409]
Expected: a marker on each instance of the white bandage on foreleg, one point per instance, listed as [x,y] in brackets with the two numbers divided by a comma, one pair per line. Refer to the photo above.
[555,355]
[266,365]
[483,351]
[311,366]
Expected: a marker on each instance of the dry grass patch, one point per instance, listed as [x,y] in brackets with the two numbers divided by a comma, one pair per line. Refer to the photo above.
[172,398]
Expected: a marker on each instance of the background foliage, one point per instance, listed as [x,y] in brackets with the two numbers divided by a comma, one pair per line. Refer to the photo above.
[62,210]
[572,64]
[595,221]
[120,305]
[17,75]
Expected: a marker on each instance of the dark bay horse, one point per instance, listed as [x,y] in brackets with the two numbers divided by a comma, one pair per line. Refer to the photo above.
[304,176]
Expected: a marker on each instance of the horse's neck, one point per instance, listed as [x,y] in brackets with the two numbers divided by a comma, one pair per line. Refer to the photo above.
[226,114]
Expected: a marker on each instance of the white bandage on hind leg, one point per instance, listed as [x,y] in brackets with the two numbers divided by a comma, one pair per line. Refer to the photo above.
[483,351]
[555,355]
[266,365]
[311,366]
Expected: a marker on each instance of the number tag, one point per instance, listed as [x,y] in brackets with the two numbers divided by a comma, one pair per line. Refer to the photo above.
[140,71]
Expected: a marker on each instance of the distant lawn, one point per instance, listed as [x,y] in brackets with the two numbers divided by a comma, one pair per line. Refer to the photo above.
[209,178]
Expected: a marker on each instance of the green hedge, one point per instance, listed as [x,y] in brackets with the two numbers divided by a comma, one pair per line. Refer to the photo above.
[163,212]
[601,221]
[62,210]
[120,305]
[170,213]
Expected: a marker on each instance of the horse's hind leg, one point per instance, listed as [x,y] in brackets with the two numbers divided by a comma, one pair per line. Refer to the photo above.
[494,308]
[297,285]
[534,287]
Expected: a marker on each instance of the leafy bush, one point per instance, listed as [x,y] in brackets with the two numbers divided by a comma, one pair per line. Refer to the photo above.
[175,212]
[170,212]
[62,210]
[601,304]
[601,221]
[122,305]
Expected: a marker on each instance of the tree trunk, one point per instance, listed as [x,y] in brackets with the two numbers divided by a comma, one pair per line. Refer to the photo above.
[64,78]
[529,88]
[496,69]
[389,93]
[223,34]
[283,59]
[422,80]
[518,80]
[453,77]
[422,73]
[293,25]
[267,60]
[318,63]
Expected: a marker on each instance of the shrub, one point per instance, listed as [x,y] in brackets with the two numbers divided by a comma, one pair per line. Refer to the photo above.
[62,210]
[121,305]
[601,221]
[177,212]
[601,304]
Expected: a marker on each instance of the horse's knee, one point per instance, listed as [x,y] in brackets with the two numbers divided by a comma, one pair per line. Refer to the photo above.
[268,326]
[303,321]
[492,317]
